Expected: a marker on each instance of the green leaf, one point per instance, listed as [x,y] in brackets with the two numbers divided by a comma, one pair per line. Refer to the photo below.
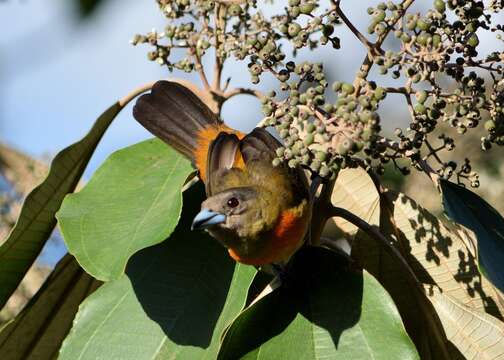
[468,209]
[323,311]
[173,301]
[133,201]
[36,221]
[38,331]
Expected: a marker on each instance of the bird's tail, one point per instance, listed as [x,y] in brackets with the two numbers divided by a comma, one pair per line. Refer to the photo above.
[178,117]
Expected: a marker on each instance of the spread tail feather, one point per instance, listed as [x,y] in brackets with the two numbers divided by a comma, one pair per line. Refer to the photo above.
[175,115]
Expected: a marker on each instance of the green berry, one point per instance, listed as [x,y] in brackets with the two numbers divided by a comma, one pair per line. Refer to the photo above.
[309,139]
[380,93]
[293,163]
[310,128]
[490,125]
[420,109]
[294,29]
[336,86]
[473,40]
[423,24]
[421,96]
[440,6]
[348,88]
[346,146]
[307,8]
[436,40]
[315,165]
[321,155]
[234,10]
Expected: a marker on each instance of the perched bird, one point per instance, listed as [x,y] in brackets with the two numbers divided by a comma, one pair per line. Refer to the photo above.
[259,212]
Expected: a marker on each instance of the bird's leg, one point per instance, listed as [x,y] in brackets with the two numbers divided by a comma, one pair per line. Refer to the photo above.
[277,269]
[315,183]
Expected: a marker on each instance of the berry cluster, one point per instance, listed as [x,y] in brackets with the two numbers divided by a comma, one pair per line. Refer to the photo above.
[446,79]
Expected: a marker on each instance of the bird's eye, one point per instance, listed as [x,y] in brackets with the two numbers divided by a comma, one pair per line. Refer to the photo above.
[233,202]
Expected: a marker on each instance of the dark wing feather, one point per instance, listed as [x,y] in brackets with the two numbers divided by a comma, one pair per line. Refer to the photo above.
[221,156]
[258,145]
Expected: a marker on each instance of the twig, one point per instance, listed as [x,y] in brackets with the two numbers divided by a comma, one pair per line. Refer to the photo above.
[368,60]
[243,91]
[219,29]
[201,70]
[368,44]
[374,233]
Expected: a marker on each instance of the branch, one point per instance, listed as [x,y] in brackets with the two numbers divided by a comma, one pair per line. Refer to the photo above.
[320,210]
[375,234]
[368,60]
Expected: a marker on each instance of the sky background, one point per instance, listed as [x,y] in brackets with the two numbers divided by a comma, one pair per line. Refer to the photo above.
[59,74]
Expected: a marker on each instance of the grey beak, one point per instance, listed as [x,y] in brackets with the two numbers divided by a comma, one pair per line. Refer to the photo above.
[207,218]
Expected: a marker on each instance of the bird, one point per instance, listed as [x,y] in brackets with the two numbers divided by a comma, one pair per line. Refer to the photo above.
[258,211]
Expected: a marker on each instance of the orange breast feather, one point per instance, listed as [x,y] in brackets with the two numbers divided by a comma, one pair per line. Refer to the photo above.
[205,137]
[283,241]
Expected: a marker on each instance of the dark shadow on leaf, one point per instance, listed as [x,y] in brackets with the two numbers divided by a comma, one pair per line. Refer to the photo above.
[261,280]
[182,284]
[319,287]
[429,231]
[332,292]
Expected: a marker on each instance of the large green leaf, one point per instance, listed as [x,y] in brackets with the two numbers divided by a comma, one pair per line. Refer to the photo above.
[133,201]
[468,209]
[38,331]
[173,301]
[36,221]
[323,311]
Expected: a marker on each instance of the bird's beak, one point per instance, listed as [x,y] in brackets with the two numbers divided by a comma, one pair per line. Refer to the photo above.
[207,218]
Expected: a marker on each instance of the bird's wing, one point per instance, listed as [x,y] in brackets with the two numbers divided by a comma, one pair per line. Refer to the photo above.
[258,150]
[222,156]
[259,145]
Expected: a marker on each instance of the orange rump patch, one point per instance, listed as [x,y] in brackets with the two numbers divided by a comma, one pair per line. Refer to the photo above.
[205,137]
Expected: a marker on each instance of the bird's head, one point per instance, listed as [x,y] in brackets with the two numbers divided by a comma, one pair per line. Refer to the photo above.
[242,211]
